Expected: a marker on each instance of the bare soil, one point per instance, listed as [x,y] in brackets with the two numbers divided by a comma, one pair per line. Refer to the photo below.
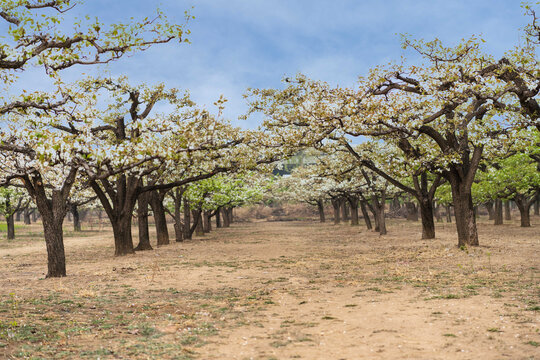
[277,290]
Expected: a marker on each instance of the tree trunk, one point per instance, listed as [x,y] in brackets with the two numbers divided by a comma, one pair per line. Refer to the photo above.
[17,216]
[320,208]
[142,220]
[26,216]
[378,207]
[464,215]
[197,217]
[426,214]
[524,206]
[335,205]
[76,218]
[187,220]
[10,220]
[160,219]
[345,210]
[230,215]
[498,212]
[437,212]
[448,213]
[123,240]
[537,205]
[353,204]
[218,218]
[507,212]
[412,211]
[54,240]
[226,219]
[489,207]
[207,224]
[365,214]
[178,226]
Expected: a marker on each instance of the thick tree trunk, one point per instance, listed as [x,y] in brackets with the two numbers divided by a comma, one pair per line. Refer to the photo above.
[10,220]
[498,212]
[336,206]
[507,211]
[54,241]
[524,206]
[207,224]
[160,219]
[426,214]
[365,214]
[123,240]
[76,218]
[464,215]
[320,208]
[142,220]
[353,204]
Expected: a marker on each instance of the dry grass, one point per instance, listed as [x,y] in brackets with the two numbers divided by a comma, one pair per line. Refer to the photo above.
[273,290]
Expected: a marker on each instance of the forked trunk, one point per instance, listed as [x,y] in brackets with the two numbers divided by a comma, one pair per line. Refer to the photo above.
[123,241]
[524,205]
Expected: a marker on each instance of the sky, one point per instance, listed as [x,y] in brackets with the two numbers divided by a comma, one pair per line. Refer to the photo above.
[237,44]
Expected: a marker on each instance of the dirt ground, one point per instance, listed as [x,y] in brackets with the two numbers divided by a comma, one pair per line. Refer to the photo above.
[277,290]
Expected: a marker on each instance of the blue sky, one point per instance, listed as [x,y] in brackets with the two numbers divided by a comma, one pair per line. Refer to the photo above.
[236,44]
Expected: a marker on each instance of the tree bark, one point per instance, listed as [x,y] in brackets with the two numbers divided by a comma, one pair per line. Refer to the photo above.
[412,211]
[10,220]
[498,212]
[378,207]
[537,205]
[207,223]
[353,204]
[142,220]
[76,218]
[507,212]
[187,220]
[178,226]
[426,214]
[524,205]
[489,207]
[336,206]
[464,215]
[218,218]
[320,208]
[448,213]
[226,219]
[197,214]
[365,214]
[160,219]
[123,195]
